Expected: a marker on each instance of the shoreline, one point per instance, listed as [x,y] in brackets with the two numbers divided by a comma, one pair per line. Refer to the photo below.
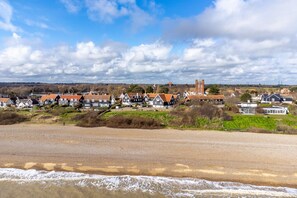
[248,158]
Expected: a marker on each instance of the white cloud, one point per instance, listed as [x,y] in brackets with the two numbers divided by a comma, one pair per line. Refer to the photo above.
[234,41]
[107,11]
[250,19]
[6,16]
[218,61]
[73,6]
[15,36]
[37,24]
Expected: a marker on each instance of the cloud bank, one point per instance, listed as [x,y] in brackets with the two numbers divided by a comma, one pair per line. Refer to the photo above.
[232,41]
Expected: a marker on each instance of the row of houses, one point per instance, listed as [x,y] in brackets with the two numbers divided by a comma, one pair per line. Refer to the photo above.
[157,100]
[87,101]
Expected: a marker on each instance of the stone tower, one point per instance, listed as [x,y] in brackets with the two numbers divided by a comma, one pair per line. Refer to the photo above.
[199,87]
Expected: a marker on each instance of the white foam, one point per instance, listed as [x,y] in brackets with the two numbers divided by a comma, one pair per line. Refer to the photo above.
[173,187]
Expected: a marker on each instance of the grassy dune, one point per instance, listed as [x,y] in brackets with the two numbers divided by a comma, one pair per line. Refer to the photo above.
[258,123]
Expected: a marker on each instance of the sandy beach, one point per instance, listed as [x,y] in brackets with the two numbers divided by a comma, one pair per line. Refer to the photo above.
[261,159]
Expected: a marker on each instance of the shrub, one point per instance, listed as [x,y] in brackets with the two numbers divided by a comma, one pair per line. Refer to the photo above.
[8,118]
[231,107]
[227,117]
[258,130]
[133,122]
[259,110]
[209,111]
[58,111]
[205,116]
[90,119]
[286,129]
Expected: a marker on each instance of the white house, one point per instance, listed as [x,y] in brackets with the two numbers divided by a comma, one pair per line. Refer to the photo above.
[276,110]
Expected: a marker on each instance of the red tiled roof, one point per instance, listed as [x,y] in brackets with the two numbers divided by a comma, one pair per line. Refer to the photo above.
[69,97]
[152,95]
[166,97]
[97,97]
[5,100]
[48,97]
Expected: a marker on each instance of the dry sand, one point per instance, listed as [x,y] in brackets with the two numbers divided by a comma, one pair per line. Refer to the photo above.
[263,159]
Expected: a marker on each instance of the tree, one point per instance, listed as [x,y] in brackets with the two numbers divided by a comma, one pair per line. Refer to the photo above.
[214,90]
[163,89]
[149,89]
[135,89]
[245,97]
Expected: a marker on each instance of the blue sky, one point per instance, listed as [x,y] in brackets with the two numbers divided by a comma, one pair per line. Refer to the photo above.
[52,21]
[148,41]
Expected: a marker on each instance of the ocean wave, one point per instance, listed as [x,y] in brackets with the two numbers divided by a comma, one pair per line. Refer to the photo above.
[166,186]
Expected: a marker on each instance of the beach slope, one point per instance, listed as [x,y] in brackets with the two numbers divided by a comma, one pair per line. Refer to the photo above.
[262,159]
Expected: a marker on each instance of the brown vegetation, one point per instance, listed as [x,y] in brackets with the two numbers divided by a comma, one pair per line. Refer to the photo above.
[188,116]
[286,129]
[90,119]
[8,118]
[133,122]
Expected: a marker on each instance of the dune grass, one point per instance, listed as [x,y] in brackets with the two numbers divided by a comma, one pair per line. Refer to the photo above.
[244,123]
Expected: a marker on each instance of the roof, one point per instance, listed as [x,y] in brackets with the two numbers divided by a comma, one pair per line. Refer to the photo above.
[208,97]
[168,97]
[5,100]
[48,97]
[152,95]
[275,108]
[24,100]
[69,97]
[97,97]
[165,97]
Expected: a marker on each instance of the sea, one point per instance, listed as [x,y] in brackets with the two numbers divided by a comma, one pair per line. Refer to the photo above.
[34,183]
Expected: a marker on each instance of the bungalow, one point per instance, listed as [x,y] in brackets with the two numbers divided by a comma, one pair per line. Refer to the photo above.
[163,100]
[215,99]
[247,108]
[276,110]
[5,102]
[26,103]
[96,101]
[49,99]
[71,100]
[275,98]
[130,99]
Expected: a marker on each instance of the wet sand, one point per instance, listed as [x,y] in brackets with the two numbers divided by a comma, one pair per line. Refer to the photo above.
[261,159]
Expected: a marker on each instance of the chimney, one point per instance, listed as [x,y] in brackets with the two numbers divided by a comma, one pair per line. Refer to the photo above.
[202,87]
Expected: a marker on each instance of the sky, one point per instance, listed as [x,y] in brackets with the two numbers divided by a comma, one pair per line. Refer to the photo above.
[148,41]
